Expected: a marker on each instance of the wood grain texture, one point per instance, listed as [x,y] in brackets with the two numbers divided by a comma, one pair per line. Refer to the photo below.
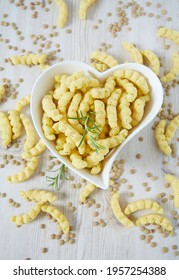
[112,241]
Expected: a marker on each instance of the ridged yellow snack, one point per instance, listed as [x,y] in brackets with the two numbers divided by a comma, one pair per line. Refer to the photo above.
[155,219]
[114,141]
[118,211]
[93,159]
[44,67]
[73,77]
[67,147]
[29,59]
[85,104]
[88,189]
[174,71]
[62,88]
[145,98]
[5,130]
[2,91]
[172,128]
[72,113]
[30,132]
[96,93]
[101,67]
[129,88]
[175,184]
[161,138]
[47,124]
[137,111]
[112,112]
[104,58]
[100,114]
[60,141]
[168,34]
[27,218]
[84,82]
[15,122]
[63,15]
[58,216]
[22,103]
[64,101]
[96,169]
[124,112]
[143,204]
[136,54]
[58,78]
[38,149]
[41,196]
[72,133]
[153,60]
[26,173]
[136,78]
[77,160]
[84,6]
[50,108]
[100,93]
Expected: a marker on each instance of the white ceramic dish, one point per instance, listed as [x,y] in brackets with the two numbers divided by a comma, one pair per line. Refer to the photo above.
[45,83]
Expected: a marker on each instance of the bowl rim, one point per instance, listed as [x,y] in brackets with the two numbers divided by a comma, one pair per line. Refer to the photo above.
[99,75]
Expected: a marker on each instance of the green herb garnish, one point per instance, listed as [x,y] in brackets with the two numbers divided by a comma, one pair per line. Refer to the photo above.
[61,175]
[91,128]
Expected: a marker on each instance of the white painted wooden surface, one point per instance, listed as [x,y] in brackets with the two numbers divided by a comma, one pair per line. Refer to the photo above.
[113,241]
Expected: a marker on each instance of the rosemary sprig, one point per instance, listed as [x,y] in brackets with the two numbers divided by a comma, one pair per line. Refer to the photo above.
[96,145]
[54,181]
[91,128]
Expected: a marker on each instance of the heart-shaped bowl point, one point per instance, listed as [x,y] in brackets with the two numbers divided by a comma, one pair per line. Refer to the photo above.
[45,83]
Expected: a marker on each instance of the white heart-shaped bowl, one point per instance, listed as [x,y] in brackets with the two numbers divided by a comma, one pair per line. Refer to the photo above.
[45,82]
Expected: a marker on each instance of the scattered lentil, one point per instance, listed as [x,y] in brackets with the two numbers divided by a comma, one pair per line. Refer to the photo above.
[44,250]
[173,213]
[164,200]
[52,236]
[97,205]
[42,226]
[167,47]
[78,186]
[58,236]
[131,194]
[141,139]
[163,12]
[153,244]
[71,241]
[142,237]
[72,235]
[174,247]
[95,214]
[68,31]
[147,231]
[61,242]
[164,250]
[72,209]
[69,204]
[142,228]
[148,4]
